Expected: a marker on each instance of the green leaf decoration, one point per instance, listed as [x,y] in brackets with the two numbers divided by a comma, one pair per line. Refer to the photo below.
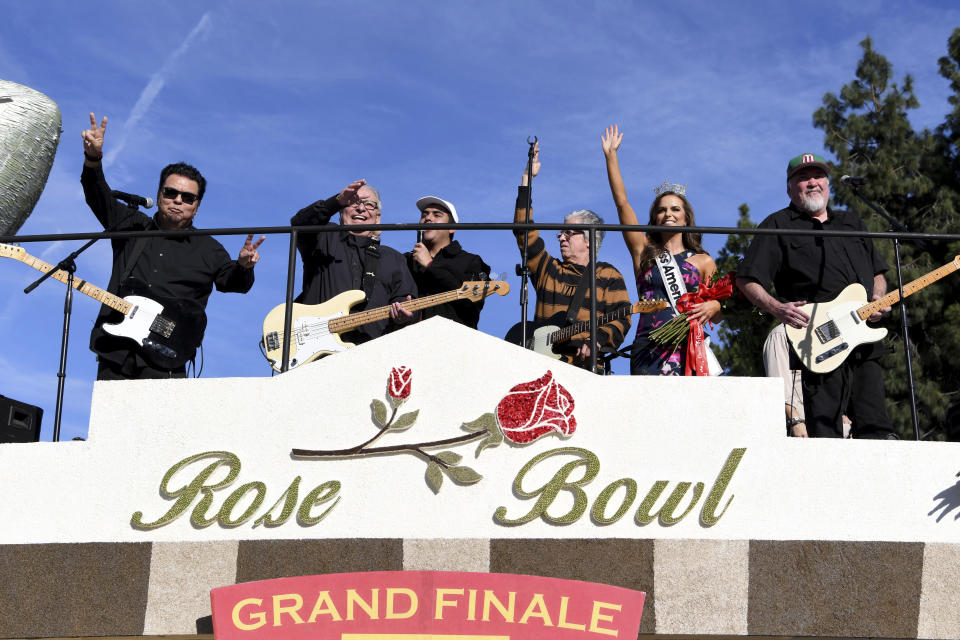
[449,457]
[405,421]
[491,440]
[486,422]
[464,475]
[434,477]
[379,412]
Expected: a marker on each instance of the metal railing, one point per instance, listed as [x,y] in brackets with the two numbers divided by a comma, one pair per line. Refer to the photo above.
[504,226]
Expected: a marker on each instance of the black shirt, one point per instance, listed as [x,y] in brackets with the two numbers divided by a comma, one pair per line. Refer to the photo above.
[814,269]
[336,261]
[185,267]
[451,267]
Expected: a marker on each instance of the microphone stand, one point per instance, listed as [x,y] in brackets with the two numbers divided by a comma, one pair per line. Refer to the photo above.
[592,265]
[904,322]
[68,266]
[522,269]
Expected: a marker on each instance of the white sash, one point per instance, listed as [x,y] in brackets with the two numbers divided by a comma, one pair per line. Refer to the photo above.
[672,278]
[675,287]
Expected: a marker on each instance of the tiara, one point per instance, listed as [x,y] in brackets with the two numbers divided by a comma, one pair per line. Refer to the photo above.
[670,187]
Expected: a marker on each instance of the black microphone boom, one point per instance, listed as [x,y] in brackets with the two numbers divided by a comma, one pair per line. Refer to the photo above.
[133,199]
[853,181]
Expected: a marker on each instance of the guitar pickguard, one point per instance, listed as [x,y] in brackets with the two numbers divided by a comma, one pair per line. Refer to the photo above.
[834,331]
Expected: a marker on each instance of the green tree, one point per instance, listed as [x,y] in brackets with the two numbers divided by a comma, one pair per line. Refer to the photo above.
[867,129]
[744,327]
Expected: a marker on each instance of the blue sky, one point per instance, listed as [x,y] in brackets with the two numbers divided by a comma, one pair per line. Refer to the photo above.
[282,103]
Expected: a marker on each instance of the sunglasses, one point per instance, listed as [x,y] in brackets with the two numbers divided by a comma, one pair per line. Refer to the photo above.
[171,194]
[569,233]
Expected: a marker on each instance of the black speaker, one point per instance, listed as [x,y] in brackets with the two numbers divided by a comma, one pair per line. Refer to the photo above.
[19,421]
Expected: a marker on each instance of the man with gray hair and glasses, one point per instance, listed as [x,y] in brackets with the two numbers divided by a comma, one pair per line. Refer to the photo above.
[338,261]
[563,286]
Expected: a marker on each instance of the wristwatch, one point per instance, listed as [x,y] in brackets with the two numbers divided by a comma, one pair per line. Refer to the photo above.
[794,421]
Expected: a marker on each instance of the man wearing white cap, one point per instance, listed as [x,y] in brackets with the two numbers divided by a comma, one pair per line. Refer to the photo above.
[438,263]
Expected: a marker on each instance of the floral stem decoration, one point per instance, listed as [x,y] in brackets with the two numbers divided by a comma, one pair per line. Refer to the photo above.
[681,328]
[529,411]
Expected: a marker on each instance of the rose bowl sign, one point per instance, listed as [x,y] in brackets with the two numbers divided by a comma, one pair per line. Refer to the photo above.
[529,411]
[422,605]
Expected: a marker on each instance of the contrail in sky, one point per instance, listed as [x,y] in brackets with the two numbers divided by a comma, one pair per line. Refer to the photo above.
[149,93]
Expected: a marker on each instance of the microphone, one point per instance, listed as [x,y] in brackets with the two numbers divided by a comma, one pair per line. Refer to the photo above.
[853,181]
[133,199]
[420,235]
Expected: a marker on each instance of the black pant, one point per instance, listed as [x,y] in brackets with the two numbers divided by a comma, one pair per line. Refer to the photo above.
[856,389]
[134,368]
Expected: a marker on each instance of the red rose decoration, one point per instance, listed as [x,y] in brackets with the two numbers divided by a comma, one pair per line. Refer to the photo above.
[399,384]
[533,409]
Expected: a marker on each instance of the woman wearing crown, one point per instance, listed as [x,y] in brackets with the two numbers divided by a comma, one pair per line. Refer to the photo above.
[667,265]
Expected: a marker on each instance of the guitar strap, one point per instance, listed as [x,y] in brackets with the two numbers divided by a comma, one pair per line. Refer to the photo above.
[139,244]
[578,297]
[370,267]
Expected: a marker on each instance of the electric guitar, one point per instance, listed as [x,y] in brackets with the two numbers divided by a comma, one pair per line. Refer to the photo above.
[839,326]
[166,330]
[542,337]
[316,327]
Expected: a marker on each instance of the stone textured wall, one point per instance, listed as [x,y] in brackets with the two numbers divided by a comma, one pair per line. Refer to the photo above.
[694,587]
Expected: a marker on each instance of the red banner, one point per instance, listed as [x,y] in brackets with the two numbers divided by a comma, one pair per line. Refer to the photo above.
[425,605]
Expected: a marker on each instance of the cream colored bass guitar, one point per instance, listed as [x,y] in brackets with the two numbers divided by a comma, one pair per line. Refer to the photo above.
[317,327]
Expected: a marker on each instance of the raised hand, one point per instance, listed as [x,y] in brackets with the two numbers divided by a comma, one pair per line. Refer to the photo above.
[93,137]
[611,139]
[533,164]
[249,256]
[349,194]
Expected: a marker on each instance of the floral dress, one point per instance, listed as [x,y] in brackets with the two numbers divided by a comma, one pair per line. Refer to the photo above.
[647,357]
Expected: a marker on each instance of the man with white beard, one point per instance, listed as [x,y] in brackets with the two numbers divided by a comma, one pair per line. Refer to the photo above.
[806,269]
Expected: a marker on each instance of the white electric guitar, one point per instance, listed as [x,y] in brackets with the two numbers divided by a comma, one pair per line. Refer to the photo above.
[839,326]
[316,327]
[542,337]
[167,330]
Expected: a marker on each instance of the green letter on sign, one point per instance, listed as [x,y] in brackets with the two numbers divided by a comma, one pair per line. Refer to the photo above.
[185,495]
[548,492]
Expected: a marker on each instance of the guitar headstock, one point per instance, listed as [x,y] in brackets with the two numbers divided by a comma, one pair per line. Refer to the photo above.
[649,306]
[17,253]
[956,262]
[477,290]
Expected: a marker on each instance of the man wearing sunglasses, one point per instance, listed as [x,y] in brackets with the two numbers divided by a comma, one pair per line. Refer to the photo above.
[178,268]
[353,259]
[562,286]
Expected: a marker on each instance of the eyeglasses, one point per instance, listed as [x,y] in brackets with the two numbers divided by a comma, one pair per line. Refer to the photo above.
[568,233]
[171,194]
[369,205]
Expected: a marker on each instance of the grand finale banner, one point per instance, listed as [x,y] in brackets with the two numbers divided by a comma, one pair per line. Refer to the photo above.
[422,605]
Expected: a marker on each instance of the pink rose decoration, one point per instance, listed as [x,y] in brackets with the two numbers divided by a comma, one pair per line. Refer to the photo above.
[533,409]
[399,384]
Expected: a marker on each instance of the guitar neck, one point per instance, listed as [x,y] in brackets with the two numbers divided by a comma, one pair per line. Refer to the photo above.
[908,289]
[84,287]
[562,335]
[354,320]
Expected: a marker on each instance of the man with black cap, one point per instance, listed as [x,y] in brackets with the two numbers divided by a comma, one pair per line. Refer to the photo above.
[806,269]
[439,264]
